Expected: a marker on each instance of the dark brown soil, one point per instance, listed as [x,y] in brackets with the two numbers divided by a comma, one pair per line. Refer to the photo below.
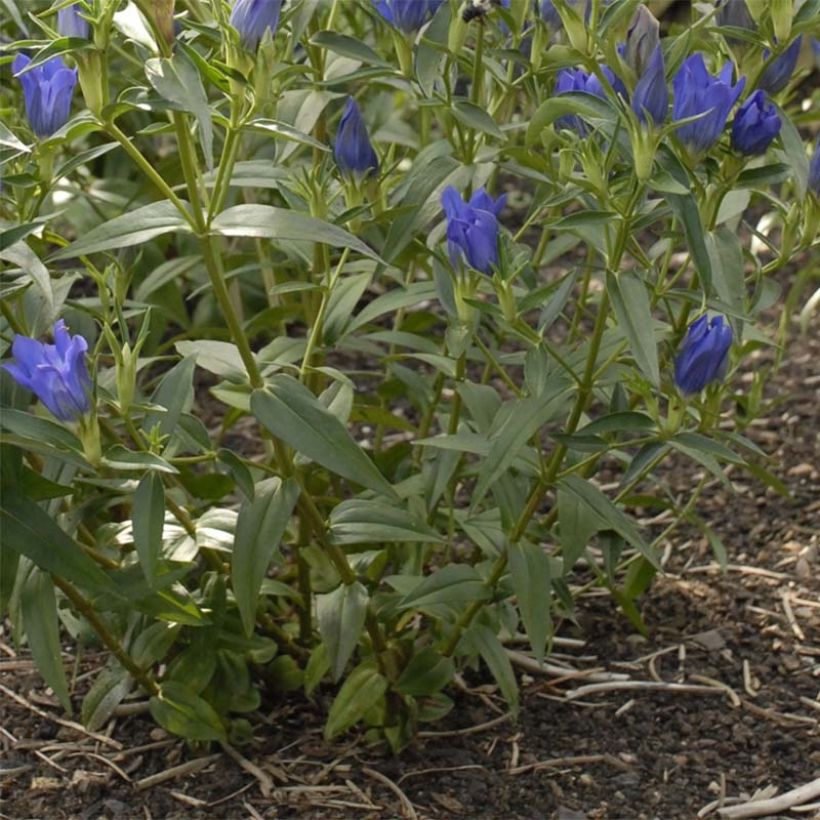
[749,638]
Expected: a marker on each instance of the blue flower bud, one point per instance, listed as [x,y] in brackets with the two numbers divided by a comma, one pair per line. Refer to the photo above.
[71,24]
[651,94]
[735,13]
[642,41]
[704,354]
[407,15]
[814,170]
[698,92]
[472,227]
[47,90]
[57,374]
[777,74]
[352,150]
[252,18]
[756,124]
[578,80]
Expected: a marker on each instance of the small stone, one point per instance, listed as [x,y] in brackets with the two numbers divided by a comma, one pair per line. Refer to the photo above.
[711,640]
[801,470]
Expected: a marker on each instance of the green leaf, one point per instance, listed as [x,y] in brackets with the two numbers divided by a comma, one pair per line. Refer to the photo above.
[132,228]
[30,531]
[361,521]
[795,151]
[426,673]
[9,561]
[364,688]
[177,80]
[631,302]
[148,518]
[486,643]
[341,615]
[181,712]
[530,573]
[625,422]
[21,255]
[292,413]
[39,608]
[174,392]
[454,584]
[587,106]
[726,256]
[525,420]
[267,222]
[686,210]
[278,129]
[105,695]
[221,358]
[348,47]
[605,511]
[259,529]
[477,119]
[40,429]
[577,524]
[118,457]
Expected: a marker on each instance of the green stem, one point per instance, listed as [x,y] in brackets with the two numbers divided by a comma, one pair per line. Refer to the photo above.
[85,608]
[543,484]
[145,166]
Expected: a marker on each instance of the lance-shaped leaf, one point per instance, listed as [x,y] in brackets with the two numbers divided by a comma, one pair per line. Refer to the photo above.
[341,616]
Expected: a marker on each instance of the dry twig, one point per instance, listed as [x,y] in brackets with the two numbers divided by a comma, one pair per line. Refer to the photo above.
[406,806]
[774,805]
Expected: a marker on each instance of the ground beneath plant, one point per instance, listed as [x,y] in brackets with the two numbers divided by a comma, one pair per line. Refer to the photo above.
[720,704]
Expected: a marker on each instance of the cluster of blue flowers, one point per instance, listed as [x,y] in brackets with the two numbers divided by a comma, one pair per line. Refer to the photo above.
[57,373]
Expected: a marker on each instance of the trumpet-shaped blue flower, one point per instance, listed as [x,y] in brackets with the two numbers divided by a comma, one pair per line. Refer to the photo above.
[578,80]
[699,92]
[779,71]
[57,374]
[704,354]
[472,227]
[47,90]
[352,150]
[252,18]
[756,124]
[71,24]
[407,15]
[651,94]
[814,170]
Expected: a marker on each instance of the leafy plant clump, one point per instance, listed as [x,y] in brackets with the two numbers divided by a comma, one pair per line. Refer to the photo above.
[321,319]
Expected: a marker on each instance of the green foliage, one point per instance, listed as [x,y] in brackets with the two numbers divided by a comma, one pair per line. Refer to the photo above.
[325,454]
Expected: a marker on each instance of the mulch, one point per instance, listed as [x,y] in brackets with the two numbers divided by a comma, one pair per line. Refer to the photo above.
[718,706]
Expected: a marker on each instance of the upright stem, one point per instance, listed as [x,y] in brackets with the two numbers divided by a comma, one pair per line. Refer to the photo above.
[581,401]
[85,608]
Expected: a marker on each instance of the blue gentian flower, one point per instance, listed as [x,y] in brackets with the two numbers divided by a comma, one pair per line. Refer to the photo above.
[578,80]
[651,94]
[352,150]
[472,227]
[407,15]
[698,92]
[814,170]
[704,354]
[57,374]
[252,18]
[756,124]
[48,90]
[777,74]
[71,24]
